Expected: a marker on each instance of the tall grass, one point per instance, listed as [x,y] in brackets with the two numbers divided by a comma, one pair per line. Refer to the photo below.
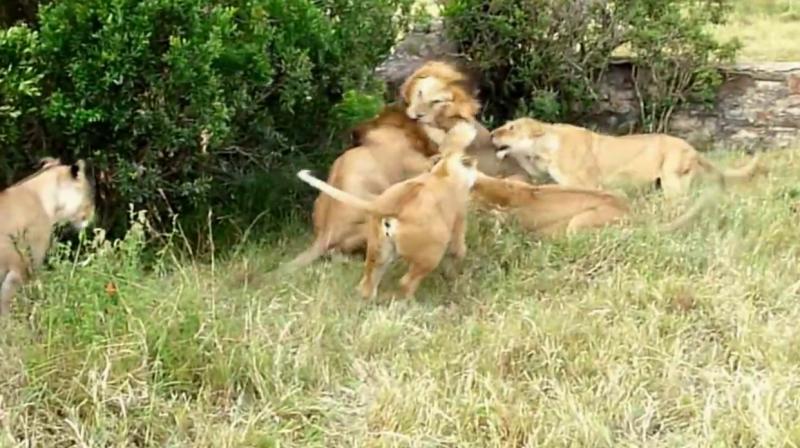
[622,337]
[767,29]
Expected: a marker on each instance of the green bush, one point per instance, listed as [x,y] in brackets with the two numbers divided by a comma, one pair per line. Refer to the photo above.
[545,57]
[179,103]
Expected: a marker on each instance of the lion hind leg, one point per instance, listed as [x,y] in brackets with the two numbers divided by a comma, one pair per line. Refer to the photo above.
[8,289]
[596,217]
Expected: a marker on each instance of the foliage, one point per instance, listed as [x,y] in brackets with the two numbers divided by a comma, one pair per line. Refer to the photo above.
[177,102]
[19,92]
[545,57]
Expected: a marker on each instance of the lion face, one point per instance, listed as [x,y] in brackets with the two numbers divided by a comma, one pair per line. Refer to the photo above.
[75,196]
[437,95]
[521,139]
[429,99]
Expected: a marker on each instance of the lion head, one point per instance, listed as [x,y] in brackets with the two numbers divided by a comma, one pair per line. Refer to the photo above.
[438,94]
[522,140]
[68,190]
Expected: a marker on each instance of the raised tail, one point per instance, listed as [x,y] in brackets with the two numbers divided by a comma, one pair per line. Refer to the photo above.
[732,175]
[744,173]
[341,196]
[722,177]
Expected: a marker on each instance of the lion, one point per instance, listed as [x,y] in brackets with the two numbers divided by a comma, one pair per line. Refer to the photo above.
[29,211]
[548,210]
[438,95]
[577,157]
[388,149]
[419,219]
[580,158]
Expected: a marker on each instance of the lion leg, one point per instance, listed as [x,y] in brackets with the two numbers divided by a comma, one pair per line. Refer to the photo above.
[457,247]
[677,174]
[380,254]
[597,217]
[11,283]
[458,241]
[416,272]
[424,253]
[675,185]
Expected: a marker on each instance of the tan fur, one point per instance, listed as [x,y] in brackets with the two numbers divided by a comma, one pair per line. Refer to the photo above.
[439,95]
[390,148]
[419,219]
[577,157]
[550,209]
[29,210]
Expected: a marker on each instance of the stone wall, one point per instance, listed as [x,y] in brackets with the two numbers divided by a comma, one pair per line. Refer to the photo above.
[758,106]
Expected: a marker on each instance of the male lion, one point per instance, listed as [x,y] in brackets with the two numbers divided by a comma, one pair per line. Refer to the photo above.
[29,210]
[389,149]
[577,157]
[439,95]
[419,219]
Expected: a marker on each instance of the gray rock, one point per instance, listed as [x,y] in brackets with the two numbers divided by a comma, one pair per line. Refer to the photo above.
[758,106]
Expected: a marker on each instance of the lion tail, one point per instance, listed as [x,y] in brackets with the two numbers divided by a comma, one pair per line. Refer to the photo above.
[732,175]
[746,172]
[339,195]
[707,199]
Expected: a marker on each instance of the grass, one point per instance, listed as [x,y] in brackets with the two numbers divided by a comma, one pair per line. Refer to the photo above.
[617,338]
[767,29]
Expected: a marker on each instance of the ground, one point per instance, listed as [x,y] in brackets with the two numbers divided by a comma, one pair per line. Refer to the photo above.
[619,338]
[767,29]
[616,338]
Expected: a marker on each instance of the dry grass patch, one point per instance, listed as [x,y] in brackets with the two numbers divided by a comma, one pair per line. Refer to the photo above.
[767,29]
[617,338]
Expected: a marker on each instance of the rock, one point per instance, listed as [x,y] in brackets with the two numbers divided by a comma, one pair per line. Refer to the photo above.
[758,105]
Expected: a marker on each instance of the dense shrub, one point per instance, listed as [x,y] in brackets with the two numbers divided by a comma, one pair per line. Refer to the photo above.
[177,102]
[544,57]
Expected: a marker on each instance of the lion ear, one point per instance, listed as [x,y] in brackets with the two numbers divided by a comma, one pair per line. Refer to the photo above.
[78,168]
[536,129]
[405,88]
[47,162]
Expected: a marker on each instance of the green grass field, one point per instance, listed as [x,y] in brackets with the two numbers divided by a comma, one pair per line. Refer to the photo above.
[767,29]
[617,338]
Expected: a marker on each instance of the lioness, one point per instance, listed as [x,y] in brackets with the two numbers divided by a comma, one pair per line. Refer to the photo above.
[29,210]
[577,157]
[439,95]
[551,209]
[419,219]
[389,149]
